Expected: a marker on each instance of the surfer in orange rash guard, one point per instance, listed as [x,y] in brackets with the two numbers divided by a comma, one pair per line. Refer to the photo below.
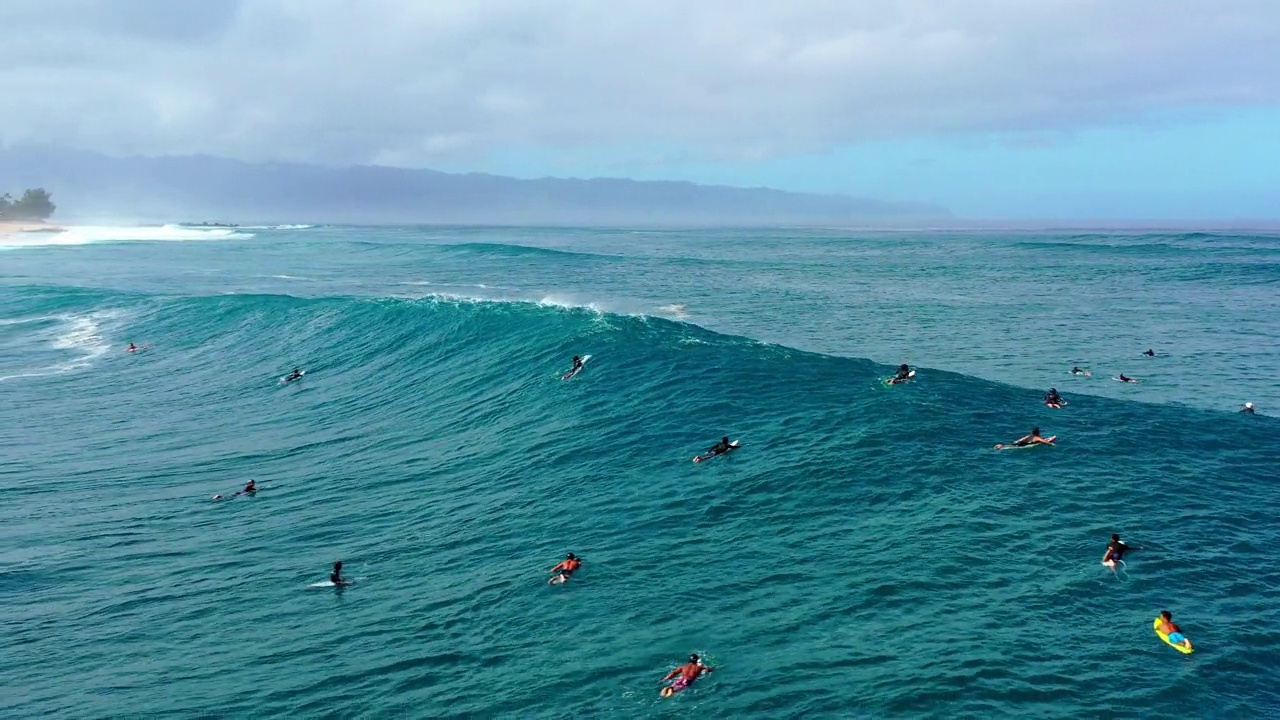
[688,672]
[565,569]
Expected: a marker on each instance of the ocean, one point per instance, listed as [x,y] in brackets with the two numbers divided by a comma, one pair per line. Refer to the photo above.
[866,553]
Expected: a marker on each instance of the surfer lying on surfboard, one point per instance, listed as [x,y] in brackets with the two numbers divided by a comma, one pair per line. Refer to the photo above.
[1053,399]
[1029,440]
[1077,371]
[293,375]
[904,374]
[565,569]
[1126,378]
[688,672]
[1115,551]
[719,448]
[1166,625]
[249,488]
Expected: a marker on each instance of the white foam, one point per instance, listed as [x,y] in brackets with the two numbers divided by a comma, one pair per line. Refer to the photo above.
[92,234]
[80,335]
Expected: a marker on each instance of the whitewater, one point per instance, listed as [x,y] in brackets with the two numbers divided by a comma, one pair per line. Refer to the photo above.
[865,553]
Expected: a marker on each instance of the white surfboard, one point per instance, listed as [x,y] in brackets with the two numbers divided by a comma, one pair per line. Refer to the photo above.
[285,380]
[574,372]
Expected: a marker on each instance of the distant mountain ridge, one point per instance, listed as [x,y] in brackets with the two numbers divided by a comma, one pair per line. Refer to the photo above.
[92,185]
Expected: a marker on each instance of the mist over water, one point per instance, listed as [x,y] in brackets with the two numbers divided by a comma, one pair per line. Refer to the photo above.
[866,552]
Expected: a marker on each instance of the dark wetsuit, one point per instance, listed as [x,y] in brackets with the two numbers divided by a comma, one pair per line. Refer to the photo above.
[1116,550]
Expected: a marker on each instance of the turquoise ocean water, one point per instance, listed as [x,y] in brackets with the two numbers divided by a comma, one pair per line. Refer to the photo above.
[865,554]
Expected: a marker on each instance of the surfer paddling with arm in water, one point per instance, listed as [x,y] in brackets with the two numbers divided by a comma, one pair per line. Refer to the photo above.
[1115,551]
[577,364]
[1168,627]
[250,488]
[1126,378]
[293,375]
[1076,370]
[903,374]
[687,672]
[1029,440]
[1053,399]
[565,569]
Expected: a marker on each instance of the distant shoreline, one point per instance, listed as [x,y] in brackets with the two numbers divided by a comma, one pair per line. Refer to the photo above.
[13,227]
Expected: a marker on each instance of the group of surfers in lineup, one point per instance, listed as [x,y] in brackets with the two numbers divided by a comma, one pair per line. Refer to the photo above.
[687,673]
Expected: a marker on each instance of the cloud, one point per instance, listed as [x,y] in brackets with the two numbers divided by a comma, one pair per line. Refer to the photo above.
[414,84]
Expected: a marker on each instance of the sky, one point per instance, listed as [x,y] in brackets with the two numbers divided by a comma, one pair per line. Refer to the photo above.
[1072,109]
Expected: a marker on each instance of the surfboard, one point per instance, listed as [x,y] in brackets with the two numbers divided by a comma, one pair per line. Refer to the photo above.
[574,372]
[707,456]
[891,381]
[285,380]
[1130,380]
[1002,446]
[1155,625]
[330,584]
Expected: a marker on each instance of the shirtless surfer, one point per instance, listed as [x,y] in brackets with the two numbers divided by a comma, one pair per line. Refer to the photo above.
[1026,440]
[1168,627]
[688,672]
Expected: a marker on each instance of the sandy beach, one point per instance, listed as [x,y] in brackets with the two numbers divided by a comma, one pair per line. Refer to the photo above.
[13,227]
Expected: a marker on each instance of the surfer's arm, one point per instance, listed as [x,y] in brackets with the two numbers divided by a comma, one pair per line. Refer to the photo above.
[559,567]
[670,675]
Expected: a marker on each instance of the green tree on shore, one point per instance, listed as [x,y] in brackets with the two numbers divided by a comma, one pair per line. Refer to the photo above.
[35,204]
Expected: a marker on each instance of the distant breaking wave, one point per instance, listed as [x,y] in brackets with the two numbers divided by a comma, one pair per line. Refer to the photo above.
[98,234]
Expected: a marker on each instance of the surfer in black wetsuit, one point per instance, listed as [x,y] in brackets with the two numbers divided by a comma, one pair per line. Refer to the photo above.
[903,374]
[577,363]
[1150,353]
[335,577]
[294,375]
[1248,409]
[1053,399]
[1126,378]
[1115,551]
[1077,371]
[721,447]
[250,488]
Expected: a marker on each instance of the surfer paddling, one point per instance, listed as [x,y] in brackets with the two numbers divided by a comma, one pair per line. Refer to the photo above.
[1126,379]
[1028,440]
[250,488]
[1166,625]
[293,375]
[687,673]
[1053,399]
[565,569]
[719,448]
[903,374]
[1115,551]
[1248,409]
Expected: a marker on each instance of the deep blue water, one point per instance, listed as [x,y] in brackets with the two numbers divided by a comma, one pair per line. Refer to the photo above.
[866,553]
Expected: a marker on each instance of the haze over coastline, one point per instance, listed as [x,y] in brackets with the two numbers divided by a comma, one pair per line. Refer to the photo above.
[165,189]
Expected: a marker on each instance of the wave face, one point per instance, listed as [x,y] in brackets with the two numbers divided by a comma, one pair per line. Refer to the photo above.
[866,550]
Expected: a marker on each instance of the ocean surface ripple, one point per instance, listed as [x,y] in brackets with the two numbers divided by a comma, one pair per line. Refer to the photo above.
[865,554]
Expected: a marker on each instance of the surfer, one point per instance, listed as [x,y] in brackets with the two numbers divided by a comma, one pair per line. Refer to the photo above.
[721,447]
[1248,409]
[1075,370]
[565,569]
[1032,439]
[131,348]
[293,375]
[688,672]
[1053,399]
[1126,378]
[577,364]
[1150,353]
[250,488]
[335,577]
[1115,551]
[1168,627]
[902,375]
